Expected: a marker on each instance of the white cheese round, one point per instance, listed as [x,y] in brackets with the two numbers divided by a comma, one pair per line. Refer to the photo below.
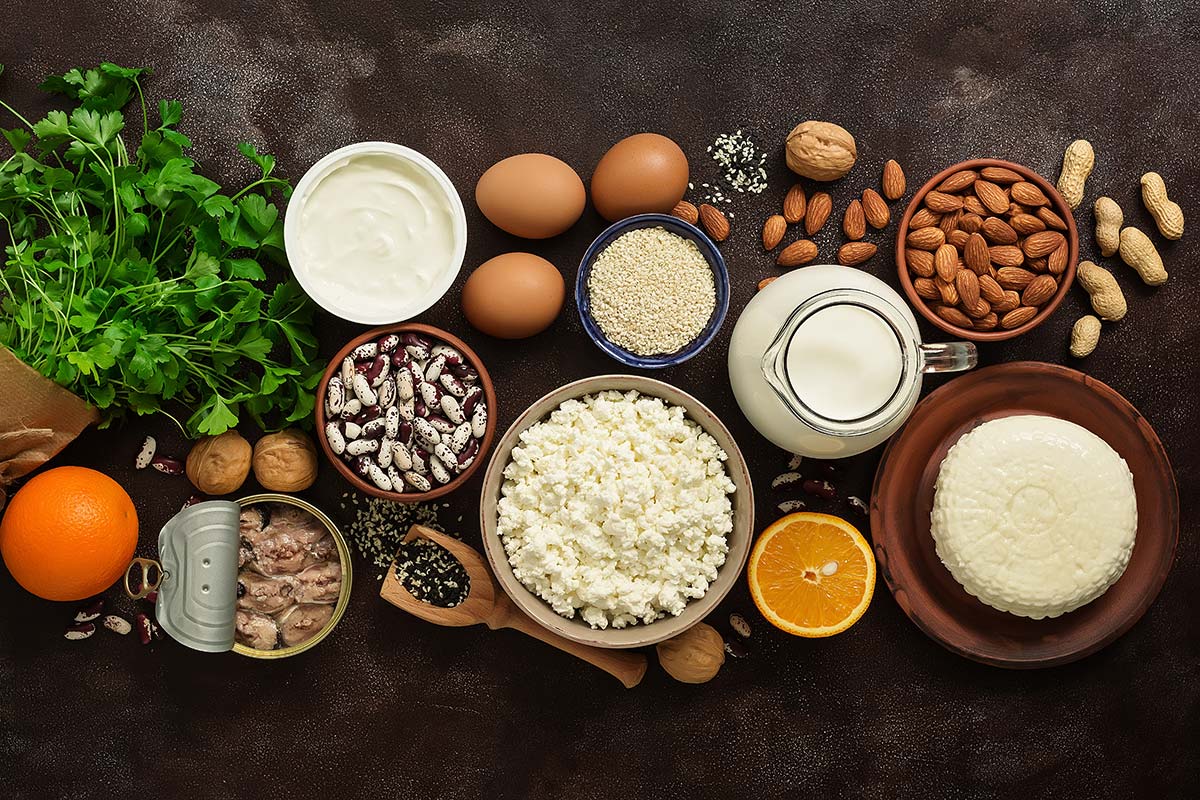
[1034,515]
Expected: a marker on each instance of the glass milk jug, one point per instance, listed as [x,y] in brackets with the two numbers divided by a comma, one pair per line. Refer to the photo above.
[827,361]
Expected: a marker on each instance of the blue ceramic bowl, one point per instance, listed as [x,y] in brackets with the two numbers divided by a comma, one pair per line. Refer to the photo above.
[707,249]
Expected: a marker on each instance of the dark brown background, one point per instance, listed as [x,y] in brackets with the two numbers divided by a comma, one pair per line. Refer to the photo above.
[390,706]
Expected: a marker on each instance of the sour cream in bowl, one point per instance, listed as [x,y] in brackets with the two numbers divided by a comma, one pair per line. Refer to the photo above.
[375,233]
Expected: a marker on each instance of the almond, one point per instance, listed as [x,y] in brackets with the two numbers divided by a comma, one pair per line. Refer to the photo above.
[987,322]
[1057,262]
[967,284]
[972,205]
[980,308]
[919,262]
[854,221]
[949,221]
[686,212]
[990,290]
[1051,219]
[941,203]
[875,209]
[1042,243]
[945,262]
[948,291]
[820,205]
[1038,264]
[923,218]
[926,239]
[953,316]
[976,254]
[798,252]
[998,231]
[958,238]
[1007,303]
[991,195]
[851,254]
[1014,277]
[958,181]
[794,204]
[926,288]
[763,283]
[970,222]
[1026,224]
[1017,208]
[1006,255]
[1017,317]
[893,180]
[714,222]
[1039,290]
[1000,175]
[773,230]
[1028,194]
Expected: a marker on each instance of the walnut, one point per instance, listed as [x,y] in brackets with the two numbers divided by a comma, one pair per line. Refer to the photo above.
[219,464]
[820,150]
[285,461]
[693,656]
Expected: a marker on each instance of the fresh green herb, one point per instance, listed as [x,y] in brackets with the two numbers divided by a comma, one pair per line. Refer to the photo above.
[135,281]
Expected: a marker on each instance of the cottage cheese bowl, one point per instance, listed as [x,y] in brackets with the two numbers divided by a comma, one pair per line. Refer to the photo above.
[634,560]
[375,233]
[1034,515]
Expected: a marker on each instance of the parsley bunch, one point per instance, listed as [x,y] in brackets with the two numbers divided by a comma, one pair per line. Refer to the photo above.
[138,283]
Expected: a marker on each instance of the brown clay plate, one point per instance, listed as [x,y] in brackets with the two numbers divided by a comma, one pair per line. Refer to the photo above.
[902,500]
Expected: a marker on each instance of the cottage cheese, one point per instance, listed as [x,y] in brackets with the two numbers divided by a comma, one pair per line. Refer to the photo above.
[617,506]
[1034,515]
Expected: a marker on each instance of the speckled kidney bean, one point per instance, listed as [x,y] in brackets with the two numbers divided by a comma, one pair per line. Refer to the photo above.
[451,355]
[360,465]
[388,342]
[444,454]
[466,373]
[386,451]
[430,394]
[380,369]
[375,429]
[365,351]
[436,365]
[438,470]
[822,489]
[479,420]
[379,477]
[468,454]
[460,437]
[360,447]
[347,374]
[396,478]
[452,384]
[407,409]
[441,424]
[351,430]
[471,398]
[452,409]
[337,442]
[400,359]
[401,457]
[420,460]
[351,409]
[391,422]
[418,352]
[417,481]
[425,432]
[387,393]
[363,391]
[404,385]
[335,396]
[404,432]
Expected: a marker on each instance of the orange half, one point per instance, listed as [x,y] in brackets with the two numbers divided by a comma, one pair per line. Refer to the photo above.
[812,574]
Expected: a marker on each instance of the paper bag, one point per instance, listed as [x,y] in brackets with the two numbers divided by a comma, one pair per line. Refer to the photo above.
[38,418]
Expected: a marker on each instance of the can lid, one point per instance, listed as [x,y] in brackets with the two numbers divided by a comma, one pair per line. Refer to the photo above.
[197,600]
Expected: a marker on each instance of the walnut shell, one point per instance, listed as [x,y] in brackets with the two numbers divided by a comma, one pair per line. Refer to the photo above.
[219,464]
[285,461]
[820,150]
[694,656]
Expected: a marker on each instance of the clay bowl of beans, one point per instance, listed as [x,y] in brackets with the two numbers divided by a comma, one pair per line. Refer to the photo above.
[406,412]
[987,250]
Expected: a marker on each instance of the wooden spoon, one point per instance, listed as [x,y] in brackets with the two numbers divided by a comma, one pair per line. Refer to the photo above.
[486,603]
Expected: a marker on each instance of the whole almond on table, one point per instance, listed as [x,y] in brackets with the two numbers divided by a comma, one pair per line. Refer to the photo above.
[851,254]
[958,181]
[773,230]
[686,212]
[875,209]
[893,180]
[919,262]
[1039,290]
[854,221]
[794,204]
[714,222]
[1077,164]
[945,262]
[765,281]
[820,206]
[797,253]
[1017,317]
[1000,175]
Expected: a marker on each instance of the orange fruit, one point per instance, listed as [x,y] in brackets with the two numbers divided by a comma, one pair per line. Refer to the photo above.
[812,574]
[69,533]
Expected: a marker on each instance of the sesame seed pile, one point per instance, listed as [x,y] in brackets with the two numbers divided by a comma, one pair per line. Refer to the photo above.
[651,291]
[741,164]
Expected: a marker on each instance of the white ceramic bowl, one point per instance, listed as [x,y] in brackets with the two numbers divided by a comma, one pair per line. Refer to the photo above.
[401,311]
[634,635]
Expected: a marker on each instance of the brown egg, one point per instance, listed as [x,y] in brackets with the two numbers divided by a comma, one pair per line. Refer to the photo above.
[513,295]
[534,196]
[640,174]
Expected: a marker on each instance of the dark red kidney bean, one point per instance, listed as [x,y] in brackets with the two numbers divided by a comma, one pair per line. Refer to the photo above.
[420,409]
[361,367]
[400,358]
[375,367]
[414,340]
[388,343]
[167,465]
[404,432]
[374,429]
[441,424]
[470,399]
[822,489]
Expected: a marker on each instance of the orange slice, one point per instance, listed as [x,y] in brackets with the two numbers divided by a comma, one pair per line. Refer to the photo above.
[812,574]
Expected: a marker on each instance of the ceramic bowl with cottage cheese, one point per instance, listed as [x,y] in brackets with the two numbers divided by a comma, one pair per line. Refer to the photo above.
[617,511]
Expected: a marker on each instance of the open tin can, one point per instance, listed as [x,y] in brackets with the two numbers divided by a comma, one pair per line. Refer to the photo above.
[197,578]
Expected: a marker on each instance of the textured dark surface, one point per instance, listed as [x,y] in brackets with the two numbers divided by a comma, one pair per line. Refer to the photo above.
[390,706]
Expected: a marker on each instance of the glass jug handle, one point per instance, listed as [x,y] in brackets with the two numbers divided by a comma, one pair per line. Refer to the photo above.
[948,357]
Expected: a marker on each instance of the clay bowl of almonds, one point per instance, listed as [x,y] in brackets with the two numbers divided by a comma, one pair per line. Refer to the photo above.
[406,412]
[987,250]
